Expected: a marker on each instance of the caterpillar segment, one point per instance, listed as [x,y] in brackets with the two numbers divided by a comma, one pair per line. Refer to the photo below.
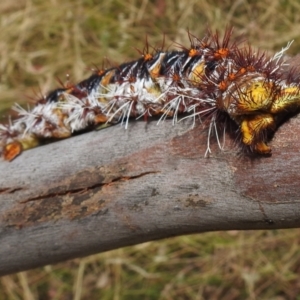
[214,76]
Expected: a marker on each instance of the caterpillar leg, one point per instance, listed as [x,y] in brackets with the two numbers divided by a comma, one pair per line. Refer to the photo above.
[252,128]
[13,149]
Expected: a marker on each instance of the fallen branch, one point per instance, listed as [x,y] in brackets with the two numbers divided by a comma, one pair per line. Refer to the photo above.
[108,189]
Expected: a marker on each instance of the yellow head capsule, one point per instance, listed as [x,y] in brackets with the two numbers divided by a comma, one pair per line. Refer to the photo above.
[256,97]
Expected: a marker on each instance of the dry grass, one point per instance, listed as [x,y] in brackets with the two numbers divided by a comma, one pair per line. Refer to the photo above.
[41,41]
[226,265]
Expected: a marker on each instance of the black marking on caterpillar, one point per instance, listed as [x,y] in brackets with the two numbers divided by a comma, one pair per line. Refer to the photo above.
[214,77]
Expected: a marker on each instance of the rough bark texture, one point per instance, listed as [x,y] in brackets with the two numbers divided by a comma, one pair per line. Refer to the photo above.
[115,187]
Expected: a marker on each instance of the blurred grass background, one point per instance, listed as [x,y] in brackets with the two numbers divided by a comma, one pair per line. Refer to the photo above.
[41,41]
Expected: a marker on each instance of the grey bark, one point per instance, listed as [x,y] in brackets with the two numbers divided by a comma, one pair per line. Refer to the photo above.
[115,187]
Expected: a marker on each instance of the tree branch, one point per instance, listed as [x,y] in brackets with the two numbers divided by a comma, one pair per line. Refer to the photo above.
[103,190]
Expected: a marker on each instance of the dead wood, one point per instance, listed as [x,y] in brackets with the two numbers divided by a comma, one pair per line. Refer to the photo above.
[115,187]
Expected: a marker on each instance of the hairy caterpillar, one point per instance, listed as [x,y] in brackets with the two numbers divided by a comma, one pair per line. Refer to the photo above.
[214,76]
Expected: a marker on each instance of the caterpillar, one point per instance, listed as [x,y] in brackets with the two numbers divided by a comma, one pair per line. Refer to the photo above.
[214,77]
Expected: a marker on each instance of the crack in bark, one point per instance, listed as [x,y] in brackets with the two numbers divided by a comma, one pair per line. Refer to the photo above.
[75,191]
[266,218]
[10,190]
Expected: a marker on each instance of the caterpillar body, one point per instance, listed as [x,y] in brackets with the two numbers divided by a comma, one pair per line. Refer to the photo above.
[213,77]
